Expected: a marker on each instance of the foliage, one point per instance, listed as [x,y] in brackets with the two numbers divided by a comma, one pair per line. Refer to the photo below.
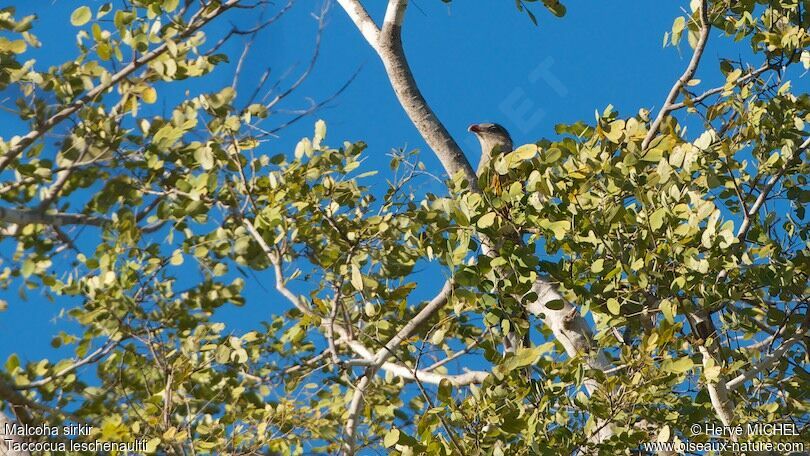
[187,213]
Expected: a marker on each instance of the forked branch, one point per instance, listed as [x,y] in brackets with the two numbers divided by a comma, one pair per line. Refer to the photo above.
[688,74]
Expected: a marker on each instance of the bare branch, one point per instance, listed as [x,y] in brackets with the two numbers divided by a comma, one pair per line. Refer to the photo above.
[358,14]
[275,259]
[467,378]
[30,216]
[382,355]
[350,428]
[420,318]
[740,81]
[395,13]
[251,31]
[718,392]
[101,352]
[687,75]
[768,361]
[315,107]
[457,354]
[321,18]
[388,45]
[763,196]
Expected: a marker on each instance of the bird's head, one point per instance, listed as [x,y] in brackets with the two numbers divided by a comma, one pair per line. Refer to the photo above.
[492,136]
[494,140]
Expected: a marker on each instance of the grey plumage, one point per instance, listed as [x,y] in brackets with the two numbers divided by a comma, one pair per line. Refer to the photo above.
[494,140]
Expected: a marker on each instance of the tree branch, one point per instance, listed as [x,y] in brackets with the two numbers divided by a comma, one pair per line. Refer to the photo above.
[768,361]
[742,80]
[420,318]
[275,259]
[383,354]
[687,75]
[718,390]
[395,13]
[358,14]
[91,358]
[388,45]
[31,216]
[763,197]
[457,354]
[18,146]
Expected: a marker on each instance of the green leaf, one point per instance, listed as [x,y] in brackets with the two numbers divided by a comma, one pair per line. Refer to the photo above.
[12,363]
[152,445]
[614,306]
[678,367]
[103,10]
[149,95]
[445,391]
[16,46]
[657,219]
[559,228]
[486,220]
[357,278]
[524,152]
[28,268]
[653,155]
[81,16]
[524,357]
[615,131]
[712,373]
[170,5]
[668,310]
[177,258]
[556,8]
[391,438]
[204,156]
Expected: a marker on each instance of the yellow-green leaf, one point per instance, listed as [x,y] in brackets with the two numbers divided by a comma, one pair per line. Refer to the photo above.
[613,306]
[177,258]
[391,438]
[524,357]
[81,16]
[657,219]
[486,220]
[152,445]
[357,278]
[149,95]
[680,366]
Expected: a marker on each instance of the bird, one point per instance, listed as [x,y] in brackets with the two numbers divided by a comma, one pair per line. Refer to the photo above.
[495,140]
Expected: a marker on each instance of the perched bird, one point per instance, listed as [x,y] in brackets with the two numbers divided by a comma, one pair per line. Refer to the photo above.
[495,140]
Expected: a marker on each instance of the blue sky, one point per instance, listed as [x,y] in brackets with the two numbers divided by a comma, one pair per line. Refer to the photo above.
[475,61]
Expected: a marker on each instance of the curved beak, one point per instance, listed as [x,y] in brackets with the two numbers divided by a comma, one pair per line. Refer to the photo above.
[474,128]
